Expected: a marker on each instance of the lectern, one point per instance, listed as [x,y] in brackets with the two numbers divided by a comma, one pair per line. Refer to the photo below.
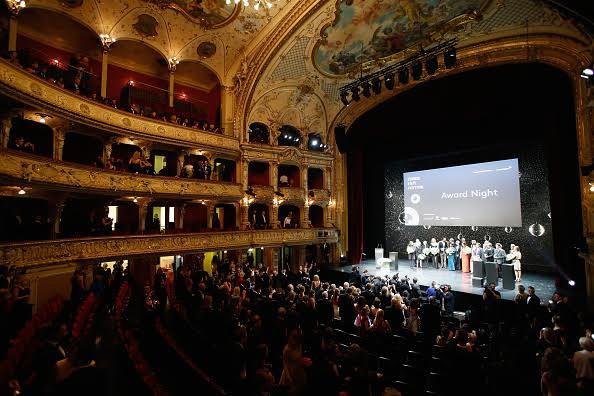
[507,273]
[478,268]
[394,258]
[491,270]
[379,254]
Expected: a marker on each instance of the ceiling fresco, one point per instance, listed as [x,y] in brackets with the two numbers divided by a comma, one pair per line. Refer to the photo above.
[365,30]
[209,13]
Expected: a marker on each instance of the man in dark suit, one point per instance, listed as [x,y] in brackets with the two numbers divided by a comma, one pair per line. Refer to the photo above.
[448,299]
[261,220]
[415,289]
[324,309]
[430,316]
[346,308]
[533,302]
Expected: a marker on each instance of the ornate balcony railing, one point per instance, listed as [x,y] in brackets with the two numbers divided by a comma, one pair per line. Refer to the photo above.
[42,253]
[294,195]
[36,169]
[320,197]
[21,85]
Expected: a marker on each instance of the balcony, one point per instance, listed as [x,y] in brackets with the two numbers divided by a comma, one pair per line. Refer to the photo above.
[43,253]
[42,170]
[293,194]
[320,197]
[21,85]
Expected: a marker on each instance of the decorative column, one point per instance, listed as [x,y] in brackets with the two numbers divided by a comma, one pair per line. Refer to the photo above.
[142,211]
[171,86]
[303,168]
[104,64]
[237,207]
[59,137]
[107,149]
[56,205]
[181,157]
[273,214]
[304,223]
[179,213]
[273,165]
[227,101]
[245,164]
[12,30]
[245,221]
[5,131]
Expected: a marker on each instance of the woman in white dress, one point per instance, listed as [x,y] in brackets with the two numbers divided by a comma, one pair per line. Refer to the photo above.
[517,263]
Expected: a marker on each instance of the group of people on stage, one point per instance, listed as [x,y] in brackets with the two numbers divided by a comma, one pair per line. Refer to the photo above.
[458,255]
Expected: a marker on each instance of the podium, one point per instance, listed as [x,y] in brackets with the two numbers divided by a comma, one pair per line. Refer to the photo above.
[491,271]
[379,254]
[478,268]
[509,278]
[394,257]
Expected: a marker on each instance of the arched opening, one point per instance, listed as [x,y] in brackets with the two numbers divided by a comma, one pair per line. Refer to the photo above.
[162,216]
[59,49]
[31,137]
[196,166]
[224,170]
[138,76]
[316,216]
[24,218]
[197,94]
[224,217]
[82,148]
[518,117]
[84,217]
[315,179]
[259,133]
[259,216]
[289,176]
[289,136]
[164,162]
[315,142]
[125,217]
[258,174]
[288,216]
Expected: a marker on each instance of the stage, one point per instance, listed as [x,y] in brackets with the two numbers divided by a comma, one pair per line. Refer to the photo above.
[459,281]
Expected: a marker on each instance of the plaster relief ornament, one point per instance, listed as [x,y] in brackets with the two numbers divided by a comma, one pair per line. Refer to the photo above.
[206,49]
[146,25]
[71,3]
[206,13]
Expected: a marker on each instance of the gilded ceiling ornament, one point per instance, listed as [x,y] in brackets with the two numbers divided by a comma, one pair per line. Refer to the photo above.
[146,25]
[206,49]
[210,14]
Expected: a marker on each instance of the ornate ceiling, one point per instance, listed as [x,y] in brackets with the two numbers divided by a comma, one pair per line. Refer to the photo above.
[285,65]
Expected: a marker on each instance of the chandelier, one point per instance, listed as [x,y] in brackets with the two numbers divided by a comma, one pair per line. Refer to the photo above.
[16,5]
[255,3]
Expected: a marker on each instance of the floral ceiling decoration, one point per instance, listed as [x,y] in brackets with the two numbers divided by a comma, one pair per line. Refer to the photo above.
[146,25]
[208,13]
[364,30]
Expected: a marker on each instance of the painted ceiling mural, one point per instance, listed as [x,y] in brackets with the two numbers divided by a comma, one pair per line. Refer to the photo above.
[209,13]
[365,30]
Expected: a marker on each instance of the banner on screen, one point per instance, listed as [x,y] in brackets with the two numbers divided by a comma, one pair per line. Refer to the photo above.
[484,194]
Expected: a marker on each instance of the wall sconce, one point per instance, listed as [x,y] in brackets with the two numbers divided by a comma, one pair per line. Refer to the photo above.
[331,202]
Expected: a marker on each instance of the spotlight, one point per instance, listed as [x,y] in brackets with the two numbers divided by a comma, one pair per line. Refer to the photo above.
[42,120]
[366,89]
[376,86]
[449,58]
[417,71]
[135,200]
[355,94]
[286,136]
[389,81]
[431,65]
[344,98]
[591,187]
[315,142]
[571,282]
[22,191]
[403,76]
[588,71]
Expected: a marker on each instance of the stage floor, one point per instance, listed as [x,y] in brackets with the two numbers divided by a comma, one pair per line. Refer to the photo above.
[459,281]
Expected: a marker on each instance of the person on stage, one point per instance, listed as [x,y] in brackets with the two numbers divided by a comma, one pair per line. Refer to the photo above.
[458,253]
[517,264]
[477,254]
[419,253]
[411,250]
[499,256]
[466,252]
[451,254]
[488,252]
[434,252]
[442,246]
[426,253]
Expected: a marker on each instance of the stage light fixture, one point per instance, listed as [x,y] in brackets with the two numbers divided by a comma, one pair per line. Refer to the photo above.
[22,191]
[591,187]
[588,71]
[315,142]
[389,81]
[366,89]
[344,98]
[431,65]
[417,71]
[449,58]
[403,76]
[376,85]
[355,94]
[571,283]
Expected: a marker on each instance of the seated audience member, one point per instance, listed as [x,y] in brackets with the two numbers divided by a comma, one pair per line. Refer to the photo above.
[138,164]
[22,145]
[583,363]
[288,221]
[284,181]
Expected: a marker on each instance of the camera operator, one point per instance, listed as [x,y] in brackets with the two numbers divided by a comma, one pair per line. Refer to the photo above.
[491,299]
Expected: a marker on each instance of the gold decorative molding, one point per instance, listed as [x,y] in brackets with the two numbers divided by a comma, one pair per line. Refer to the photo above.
[264,194]
[21,85]
[36,169]
[294,195]
[34,254]
[286,154]
[320,197]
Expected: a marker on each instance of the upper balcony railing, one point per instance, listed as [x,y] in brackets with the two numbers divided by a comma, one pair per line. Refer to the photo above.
[28,88]
[32,254]
[32,168]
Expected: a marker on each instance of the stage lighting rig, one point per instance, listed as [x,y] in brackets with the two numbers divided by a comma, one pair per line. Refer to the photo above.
[403,69]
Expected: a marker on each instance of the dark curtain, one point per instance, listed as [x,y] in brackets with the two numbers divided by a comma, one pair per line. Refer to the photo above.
[355,202]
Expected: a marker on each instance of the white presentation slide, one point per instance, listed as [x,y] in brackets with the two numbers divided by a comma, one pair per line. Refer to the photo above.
[484,194]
